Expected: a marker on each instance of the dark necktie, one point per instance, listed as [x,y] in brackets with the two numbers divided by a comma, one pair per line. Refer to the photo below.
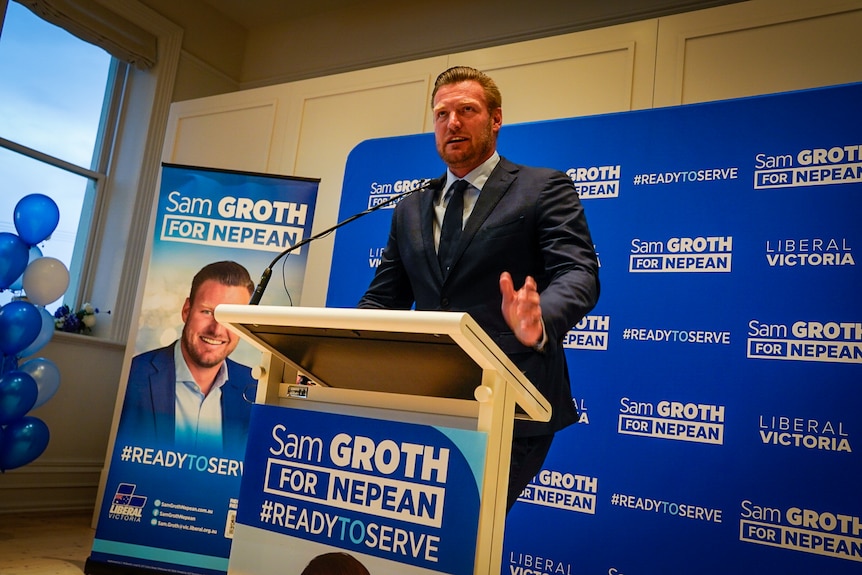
[452,221]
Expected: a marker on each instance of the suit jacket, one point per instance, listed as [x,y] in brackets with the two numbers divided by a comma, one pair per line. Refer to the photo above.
[527,221]
[149,408]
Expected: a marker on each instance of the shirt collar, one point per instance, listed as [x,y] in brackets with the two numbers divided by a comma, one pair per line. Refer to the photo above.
[478,176]
[183,373]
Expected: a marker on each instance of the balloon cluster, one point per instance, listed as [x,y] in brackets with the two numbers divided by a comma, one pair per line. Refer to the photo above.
[25,327]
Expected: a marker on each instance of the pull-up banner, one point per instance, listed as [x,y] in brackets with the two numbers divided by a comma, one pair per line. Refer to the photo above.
[719,379]
[174,471]
[388,497]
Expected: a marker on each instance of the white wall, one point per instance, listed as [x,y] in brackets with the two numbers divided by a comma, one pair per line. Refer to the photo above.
[78,418]
[758,47]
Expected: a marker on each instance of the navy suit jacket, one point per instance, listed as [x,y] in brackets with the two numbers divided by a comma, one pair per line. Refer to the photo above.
[527,221]
[149,408]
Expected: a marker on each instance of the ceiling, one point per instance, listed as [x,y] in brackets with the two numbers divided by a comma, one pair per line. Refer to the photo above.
[252,14]
[255,13]
[325,37]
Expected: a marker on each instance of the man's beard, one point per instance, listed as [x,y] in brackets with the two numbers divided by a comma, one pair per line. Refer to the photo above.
[481,149]
[211,359]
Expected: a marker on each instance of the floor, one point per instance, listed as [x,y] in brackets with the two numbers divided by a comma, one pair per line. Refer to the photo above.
[45,543]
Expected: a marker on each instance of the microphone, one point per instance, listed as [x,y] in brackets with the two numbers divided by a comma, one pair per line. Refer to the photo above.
[426,184]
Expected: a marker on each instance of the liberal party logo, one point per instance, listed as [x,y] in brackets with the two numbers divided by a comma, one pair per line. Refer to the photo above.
[583,415]
[809,252]
[127,506]
[375,256]
[702,254]
[804,432]
[529,564]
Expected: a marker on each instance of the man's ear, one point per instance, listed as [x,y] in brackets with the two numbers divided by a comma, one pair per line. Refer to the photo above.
[186,307]
[496,119]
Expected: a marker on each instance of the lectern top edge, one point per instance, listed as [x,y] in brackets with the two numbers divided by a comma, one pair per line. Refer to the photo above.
[332,340]
[430,322]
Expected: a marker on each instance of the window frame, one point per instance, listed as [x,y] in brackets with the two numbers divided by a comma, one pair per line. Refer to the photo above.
[96,176]
[119,233]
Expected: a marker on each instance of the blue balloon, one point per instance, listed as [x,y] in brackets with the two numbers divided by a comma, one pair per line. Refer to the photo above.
[13,259]
[36,218]
[20,324]
[18,394]
[8,363]
[45,335]
[35,254]
[23,441]
[46,374]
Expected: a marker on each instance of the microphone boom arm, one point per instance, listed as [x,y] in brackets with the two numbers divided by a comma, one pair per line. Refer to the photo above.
[267,273]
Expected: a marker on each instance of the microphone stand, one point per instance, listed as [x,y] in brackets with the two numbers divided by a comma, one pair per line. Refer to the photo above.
[267,273]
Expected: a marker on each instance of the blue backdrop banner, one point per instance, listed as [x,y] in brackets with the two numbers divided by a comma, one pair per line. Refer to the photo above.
[719,378]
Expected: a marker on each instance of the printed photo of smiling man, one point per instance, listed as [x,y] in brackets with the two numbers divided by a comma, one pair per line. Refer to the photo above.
[189,395]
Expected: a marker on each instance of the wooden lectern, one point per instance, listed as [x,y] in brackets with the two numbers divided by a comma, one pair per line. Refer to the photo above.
[437,368]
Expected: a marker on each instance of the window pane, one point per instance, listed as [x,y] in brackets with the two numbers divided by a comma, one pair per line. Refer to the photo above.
[51,87]
[22,176]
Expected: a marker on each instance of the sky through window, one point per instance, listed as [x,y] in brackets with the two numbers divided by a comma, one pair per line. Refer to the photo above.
[52,91]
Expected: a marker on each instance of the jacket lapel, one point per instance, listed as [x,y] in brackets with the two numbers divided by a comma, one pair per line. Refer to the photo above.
[231,406]
[493,191]
[163,389]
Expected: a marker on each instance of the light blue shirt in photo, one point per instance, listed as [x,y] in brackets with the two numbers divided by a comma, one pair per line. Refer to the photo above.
[198,416]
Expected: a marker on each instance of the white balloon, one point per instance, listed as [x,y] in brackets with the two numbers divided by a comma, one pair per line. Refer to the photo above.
[45,280]
[46,374]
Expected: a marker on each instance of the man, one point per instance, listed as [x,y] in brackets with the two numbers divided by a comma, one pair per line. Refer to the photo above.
[189,395]
[522,226]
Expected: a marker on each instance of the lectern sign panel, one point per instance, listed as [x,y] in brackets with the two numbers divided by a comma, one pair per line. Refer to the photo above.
[397,497]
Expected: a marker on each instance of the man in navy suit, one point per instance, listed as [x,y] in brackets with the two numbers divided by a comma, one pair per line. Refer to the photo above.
[520,226]
[189,395]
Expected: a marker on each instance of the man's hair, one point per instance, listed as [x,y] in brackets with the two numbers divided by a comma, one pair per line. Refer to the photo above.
[336,563]
[226,273]
[456,74]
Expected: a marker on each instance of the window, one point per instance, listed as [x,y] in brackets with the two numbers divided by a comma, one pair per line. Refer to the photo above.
[59,98]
